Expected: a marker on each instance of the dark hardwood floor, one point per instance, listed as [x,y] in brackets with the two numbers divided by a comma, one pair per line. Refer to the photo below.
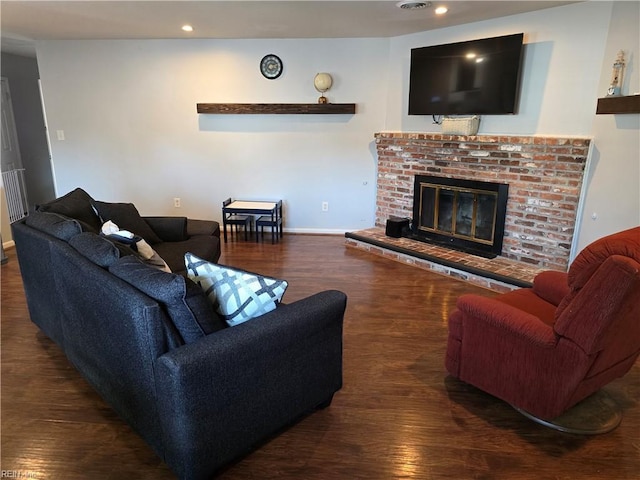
[398,416]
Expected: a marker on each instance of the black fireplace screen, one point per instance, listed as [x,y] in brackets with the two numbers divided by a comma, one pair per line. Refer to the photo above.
[463,214]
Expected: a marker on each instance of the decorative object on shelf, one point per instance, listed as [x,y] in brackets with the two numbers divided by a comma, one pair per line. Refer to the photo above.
[616,76]
[271,66]
[322,82]
[461,125]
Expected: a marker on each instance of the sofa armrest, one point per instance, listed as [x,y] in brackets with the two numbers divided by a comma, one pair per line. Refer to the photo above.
[203,227]
[169,229]
[220,395]
[551,286]
[490,312]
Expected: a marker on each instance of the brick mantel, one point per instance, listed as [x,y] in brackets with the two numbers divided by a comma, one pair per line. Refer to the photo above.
[544,175]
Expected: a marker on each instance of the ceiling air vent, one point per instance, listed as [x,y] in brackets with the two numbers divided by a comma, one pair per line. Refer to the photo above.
[412,4]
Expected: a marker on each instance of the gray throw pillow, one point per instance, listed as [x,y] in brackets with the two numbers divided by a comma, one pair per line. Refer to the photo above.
[77,205]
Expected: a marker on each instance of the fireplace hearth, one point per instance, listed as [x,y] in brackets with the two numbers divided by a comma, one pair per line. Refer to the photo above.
[465,215]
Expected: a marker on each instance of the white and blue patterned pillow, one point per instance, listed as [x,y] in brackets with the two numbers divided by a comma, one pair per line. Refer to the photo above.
[237,295]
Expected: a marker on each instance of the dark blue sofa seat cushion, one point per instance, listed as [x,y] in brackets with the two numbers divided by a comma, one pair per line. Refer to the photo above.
[190,311]
[203,246]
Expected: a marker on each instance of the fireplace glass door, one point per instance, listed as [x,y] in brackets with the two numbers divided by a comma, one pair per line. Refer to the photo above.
[462,213]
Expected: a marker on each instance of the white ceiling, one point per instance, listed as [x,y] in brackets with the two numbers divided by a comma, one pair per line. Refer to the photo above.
[23,21]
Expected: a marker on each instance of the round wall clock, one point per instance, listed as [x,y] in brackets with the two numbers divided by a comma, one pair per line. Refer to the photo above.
[271,66]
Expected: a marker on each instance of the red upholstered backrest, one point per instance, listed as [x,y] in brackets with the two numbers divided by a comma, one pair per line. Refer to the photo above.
[607,310]
[625,243]
[602,311]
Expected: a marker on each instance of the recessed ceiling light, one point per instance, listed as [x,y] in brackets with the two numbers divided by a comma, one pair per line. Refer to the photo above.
[187,28]
[441,10]
[412,4]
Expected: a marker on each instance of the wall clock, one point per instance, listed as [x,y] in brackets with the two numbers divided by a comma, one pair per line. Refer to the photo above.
[271,66]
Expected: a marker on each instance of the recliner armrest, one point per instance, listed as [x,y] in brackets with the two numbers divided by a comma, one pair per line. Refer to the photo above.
[551,286]
[169,229]
[511,319]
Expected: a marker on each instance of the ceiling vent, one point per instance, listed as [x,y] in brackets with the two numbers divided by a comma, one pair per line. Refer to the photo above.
[412,5]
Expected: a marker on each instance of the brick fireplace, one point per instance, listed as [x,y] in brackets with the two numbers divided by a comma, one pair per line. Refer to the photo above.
[544,175]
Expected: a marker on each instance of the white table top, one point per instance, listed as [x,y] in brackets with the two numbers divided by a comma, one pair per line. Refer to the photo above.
[249,205]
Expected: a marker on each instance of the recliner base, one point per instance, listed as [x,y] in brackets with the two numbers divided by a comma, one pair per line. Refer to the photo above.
[594,415]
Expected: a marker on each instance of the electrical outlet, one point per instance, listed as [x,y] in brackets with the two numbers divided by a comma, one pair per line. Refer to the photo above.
[325,206]
[176,202]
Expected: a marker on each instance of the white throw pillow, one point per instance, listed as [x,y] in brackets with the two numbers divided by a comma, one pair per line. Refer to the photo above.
[237,295]
[137,243]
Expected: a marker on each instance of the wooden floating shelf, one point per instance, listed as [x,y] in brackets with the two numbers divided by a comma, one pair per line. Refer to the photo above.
[277,108]
[626,104]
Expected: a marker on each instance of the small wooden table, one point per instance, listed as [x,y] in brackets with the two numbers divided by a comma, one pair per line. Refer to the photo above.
[248,207]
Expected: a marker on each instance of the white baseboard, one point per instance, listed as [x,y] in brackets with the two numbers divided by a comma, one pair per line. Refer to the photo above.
[308,231]
[318,231]
[9,244]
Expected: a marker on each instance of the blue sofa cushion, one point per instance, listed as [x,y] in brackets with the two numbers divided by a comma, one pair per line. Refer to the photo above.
[185,303]
[237,295]
[126,217]
[173,252]
[75,204]
[54,224]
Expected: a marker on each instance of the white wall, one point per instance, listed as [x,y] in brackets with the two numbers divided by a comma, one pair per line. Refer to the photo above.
[132,134]
[561,69]
[567,66]
[613,181]
[128,112]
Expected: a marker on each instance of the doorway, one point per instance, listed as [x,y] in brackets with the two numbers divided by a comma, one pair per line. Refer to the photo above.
[17,205]
[22,78]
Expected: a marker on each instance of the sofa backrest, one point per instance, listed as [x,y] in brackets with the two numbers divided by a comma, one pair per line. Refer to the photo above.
[33,248]
[112,332]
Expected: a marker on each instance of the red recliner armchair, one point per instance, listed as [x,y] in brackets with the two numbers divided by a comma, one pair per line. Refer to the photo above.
[544,349]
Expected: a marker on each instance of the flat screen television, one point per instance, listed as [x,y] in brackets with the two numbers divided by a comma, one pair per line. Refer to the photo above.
[466,78]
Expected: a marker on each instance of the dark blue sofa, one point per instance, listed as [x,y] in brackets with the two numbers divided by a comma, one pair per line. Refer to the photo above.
[200,399]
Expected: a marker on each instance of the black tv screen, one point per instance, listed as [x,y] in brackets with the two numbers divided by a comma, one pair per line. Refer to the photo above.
[464,78]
